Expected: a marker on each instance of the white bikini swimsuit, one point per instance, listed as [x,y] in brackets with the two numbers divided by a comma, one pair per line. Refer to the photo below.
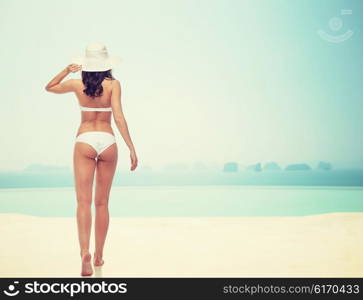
[98,140]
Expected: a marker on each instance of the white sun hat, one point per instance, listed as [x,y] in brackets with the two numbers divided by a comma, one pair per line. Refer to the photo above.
[96,59]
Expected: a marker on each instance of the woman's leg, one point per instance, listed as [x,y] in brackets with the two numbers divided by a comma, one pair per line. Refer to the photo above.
[105,170]
[84,164]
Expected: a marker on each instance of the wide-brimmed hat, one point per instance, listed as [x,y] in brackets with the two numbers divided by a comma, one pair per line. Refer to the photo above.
[96,59]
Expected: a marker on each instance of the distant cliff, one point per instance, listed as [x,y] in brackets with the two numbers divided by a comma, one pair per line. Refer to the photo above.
[230,167]
[271,166]
[322,165]
[298,167]
[256,167]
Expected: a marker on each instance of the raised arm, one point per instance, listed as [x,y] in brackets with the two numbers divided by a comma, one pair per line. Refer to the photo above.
[58,87]
[120,121]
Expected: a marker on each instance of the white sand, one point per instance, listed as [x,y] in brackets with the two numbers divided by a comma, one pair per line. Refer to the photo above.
[326,245]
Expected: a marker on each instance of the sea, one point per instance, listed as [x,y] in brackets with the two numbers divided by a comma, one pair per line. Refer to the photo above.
[190,200]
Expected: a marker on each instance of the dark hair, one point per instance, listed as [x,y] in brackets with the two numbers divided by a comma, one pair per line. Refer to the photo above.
[92,81]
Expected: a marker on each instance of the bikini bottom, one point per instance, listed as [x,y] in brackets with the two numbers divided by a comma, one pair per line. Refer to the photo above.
[98,140]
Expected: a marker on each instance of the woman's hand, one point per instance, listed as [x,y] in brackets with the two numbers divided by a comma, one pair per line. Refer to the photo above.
[73,68]
[133,160]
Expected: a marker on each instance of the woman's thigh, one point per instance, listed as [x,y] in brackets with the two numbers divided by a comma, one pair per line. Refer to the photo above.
[84,165]
[105,170]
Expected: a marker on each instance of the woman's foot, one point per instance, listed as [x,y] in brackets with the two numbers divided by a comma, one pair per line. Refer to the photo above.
[97,260]
[86,265]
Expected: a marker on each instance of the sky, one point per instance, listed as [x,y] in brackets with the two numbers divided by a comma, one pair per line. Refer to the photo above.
[210,81]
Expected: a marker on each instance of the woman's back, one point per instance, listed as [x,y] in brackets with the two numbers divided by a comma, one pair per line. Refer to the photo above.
[91,119]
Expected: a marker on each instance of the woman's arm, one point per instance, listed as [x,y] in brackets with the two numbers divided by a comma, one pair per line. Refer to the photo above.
[120,121]
[55,85]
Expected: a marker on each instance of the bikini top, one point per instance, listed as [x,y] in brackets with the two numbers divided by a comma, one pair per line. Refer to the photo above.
[84,108]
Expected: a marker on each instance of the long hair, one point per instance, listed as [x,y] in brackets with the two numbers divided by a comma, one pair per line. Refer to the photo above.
[93,82]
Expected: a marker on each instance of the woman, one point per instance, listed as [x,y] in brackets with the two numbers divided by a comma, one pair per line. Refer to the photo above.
[95,149]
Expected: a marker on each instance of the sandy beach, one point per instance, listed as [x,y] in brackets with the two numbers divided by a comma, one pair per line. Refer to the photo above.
[325,245]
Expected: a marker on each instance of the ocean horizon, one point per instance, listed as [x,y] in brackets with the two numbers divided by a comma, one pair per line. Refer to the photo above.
[335,177]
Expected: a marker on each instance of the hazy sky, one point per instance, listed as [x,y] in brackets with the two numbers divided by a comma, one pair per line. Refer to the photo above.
[243,81]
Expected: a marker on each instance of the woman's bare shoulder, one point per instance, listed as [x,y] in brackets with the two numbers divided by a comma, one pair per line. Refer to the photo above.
[112,80]
[116,83]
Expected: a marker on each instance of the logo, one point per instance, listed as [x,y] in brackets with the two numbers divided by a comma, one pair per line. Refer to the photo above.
[12,290]
[335,25]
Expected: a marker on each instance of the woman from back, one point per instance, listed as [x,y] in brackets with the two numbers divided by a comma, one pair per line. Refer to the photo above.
[95,148]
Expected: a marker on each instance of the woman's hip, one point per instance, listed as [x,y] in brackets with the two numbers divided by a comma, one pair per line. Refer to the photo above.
[99,140]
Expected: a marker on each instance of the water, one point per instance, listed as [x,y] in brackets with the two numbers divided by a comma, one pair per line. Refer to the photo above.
[191,201]
[342,177]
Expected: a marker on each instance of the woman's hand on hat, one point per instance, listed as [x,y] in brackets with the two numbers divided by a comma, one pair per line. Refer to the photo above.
[73,68]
